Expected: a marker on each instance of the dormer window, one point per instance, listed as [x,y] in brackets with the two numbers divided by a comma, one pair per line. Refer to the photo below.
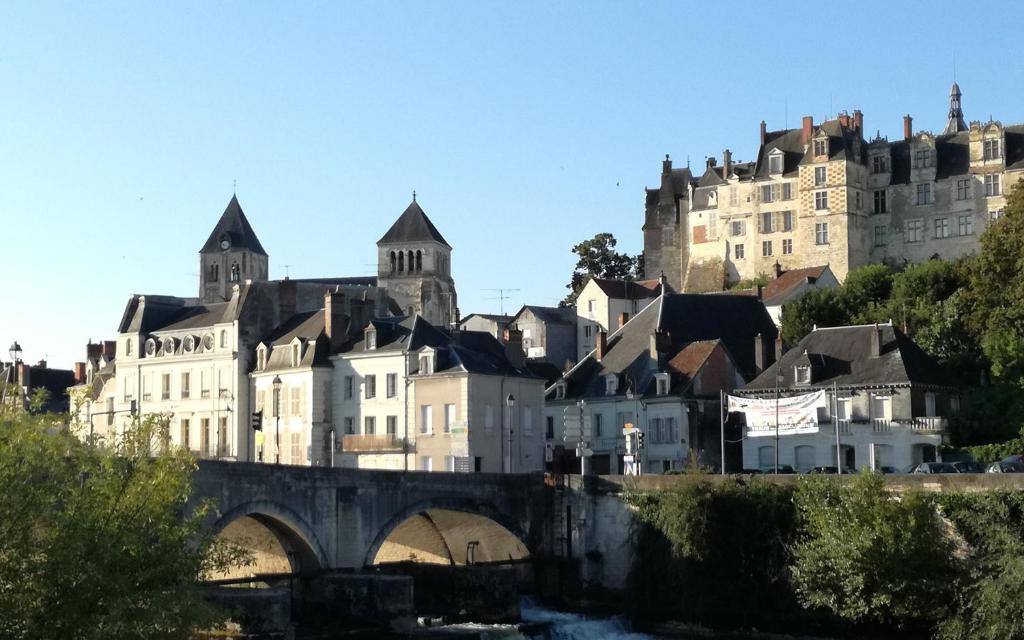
[560,390]
[296,354]
[128,347]
[821,147]
[426,364]
[261,358]
[802,374]
[991,149]
[775,162]
[611,385]
[661,384]
[371,339]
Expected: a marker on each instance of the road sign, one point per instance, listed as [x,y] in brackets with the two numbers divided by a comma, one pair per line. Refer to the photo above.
[627,458]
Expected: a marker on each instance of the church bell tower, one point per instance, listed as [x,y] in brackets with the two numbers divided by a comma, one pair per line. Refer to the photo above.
[232,254]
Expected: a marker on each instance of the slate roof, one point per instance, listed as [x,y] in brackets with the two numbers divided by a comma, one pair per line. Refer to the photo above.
[842,355]
[235,226]
[683,320]
[628,289]
[550,315]
[782,288]
[788,141]
[309,328]
[413,226]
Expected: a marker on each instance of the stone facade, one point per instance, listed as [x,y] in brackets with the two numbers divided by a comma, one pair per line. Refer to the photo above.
[823,194]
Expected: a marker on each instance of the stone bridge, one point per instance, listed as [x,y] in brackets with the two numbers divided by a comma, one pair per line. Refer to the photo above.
[328,518]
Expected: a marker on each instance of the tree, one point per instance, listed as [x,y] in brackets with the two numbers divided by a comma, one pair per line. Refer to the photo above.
[866,290]
[821,307]
[96,543]
[869,557]
[597,258]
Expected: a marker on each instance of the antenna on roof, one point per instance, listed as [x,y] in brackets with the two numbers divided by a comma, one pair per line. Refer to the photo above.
[501,297]
[287,271]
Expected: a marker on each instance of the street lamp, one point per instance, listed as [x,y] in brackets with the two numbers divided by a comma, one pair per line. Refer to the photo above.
[510,402]
[778,382]
[15,352]
[10,371]
[277,419]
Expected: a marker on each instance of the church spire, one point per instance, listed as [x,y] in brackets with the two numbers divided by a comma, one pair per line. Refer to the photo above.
[955,122]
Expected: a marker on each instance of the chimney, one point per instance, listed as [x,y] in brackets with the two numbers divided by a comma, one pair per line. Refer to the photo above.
[808,130]
[79,370]
[711,162]
[876,341]
[759,353]
[659,346]
[858,122]
[602,344]
[844,119]
[764,132]
[334,316]
[908,127]
[286,299]
[514,346]
[623,319]
[726,163]
[778,269]
[666,166]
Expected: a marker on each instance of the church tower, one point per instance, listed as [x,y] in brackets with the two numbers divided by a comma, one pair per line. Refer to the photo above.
[232,254]
[955,121]
[414,265]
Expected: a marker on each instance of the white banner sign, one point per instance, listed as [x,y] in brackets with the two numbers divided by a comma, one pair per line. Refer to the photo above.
[796,414]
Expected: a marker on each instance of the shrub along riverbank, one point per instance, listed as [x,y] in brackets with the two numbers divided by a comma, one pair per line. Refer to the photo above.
[823,557]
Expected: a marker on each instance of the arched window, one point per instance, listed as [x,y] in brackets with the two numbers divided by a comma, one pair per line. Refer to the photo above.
[223,338]
[401,261]
[234,272]
[214,272]
[419,261]
[245,263]
[128,347]
[412,262]
[393,262]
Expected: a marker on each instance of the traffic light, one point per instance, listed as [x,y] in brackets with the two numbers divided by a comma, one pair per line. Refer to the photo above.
[640,440]
[257,421]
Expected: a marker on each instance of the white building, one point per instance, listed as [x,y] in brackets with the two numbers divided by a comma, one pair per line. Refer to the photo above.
[893,401]
[606,305]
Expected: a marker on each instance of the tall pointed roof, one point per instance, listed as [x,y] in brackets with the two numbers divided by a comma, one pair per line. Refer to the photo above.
[955,123]
[236,228]
[413,226]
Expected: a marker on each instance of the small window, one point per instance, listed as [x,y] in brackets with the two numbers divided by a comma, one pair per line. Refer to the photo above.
[426,419]
[965,225]
[802,375]
[787,191]
[370,426]
[963,188]
[223,339]
[880,201]
[775,163]
[914,230]
[426,364]
[296,351]
[611,385]
[941,227]
[821,233]
[661,384]
[767,222]
[597,420]
[449,417]
[165,386]
[922,158]
[924,193]
[549,427]
[348,387]
[350,425]
[392,425]
[819,176]
[736,228]
[787,247]
[821,147]
[128,347]
[992,186]
[261,359]
[820,200]
[186,384]
[995,215]
[371,340]
[881,231]
[991,149]
[590,306]
[560,391]
[766,193]
[738,249]
[392,385]
[787,220]
[370,387]
[879,164]
[766,248]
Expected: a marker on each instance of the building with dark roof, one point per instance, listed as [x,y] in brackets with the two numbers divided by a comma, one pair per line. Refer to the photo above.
[828,194]
[660,372]
[549,334]
[890,405]
[605,305]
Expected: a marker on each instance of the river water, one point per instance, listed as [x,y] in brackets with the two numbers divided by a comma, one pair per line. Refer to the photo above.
[541,623]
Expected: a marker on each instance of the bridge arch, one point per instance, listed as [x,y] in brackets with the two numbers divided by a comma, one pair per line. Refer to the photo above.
[301,547]
[438,513]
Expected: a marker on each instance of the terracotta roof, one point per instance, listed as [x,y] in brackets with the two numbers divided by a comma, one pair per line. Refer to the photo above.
[689,361]
[789,280]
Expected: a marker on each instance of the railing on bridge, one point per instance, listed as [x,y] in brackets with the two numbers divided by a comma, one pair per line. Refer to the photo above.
[363,443]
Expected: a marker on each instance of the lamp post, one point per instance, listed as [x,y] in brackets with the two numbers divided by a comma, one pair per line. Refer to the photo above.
[15,353]
[277,419]
[778,382]
[510,402]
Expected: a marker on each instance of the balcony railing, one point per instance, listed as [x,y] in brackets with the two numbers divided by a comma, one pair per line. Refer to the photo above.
[881,425]
[844,426]
[928,424]
[368,443]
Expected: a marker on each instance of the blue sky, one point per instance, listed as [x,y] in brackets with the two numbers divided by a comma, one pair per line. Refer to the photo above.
[524,127]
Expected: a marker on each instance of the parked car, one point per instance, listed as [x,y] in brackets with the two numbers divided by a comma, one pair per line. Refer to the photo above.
[888,470]
[1003,466]
[783,468]
[750,471]
[969,466]
[935,467]
[830,471]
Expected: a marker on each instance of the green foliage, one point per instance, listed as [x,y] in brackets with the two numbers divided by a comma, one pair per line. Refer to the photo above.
[759,281]
[868,557]
[706,546]
[95,543]
[821,307]
[997,450]
[990,596]
[867,288]
[597,258]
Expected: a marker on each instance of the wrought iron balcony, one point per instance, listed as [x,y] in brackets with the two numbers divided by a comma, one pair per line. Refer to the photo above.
[372,443]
